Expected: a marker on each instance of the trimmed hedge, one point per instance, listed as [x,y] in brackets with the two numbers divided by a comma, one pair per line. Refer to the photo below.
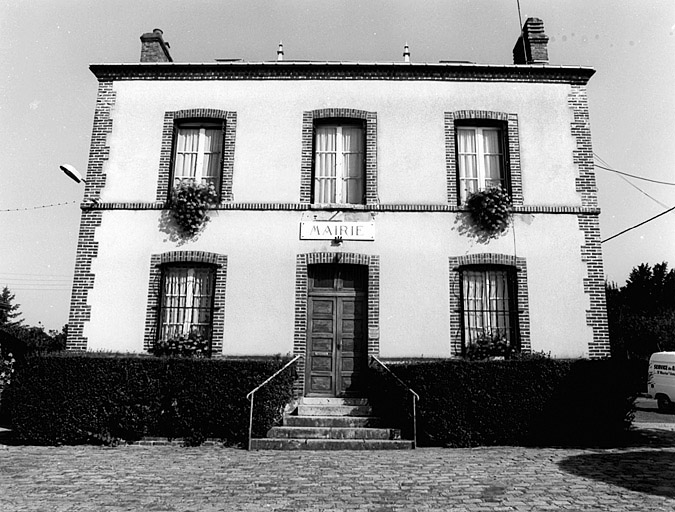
[528,402]
[104,399]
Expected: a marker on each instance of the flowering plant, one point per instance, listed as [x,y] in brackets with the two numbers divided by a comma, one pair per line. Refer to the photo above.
[488,345]
[189,203]
[6,370]
[191,345]
[490,211]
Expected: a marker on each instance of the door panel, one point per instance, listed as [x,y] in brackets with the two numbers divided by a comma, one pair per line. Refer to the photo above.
[352,353]
[321,385]
[322,326]
[322,307]
[321,346]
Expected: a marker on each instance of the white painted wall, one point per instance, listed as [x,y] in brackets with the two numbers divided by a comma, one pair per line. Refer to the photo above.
[414,285]
[413,247]
[410,142]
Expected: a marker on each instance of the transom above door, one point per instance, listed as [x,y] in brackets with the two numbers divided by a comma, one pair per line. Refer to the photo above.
[337,347]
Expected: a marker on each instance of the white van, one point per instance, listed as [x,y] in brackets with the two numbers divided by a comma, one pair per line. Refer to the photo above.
[661,379]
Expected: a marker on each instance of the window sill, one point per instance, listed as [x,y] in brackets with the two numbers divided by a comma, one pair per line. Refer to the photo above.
[337,206]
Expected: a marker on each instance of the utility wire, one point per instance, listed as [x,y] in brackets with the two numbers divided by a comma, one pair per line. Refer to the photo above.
[643,192]
[44,278]
[637,225]
[627,174]
[37,207]
[621,175]
[522,32]
[39,275]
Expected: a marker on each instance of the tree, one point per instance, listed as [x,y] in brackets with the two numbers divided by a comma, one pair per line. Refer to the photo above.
[641,314]
[31,339]
[9,312]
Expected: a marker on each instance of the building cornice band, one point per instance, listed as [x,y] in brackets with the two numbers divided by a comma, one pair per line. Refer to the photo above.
[342,71]
[397,208]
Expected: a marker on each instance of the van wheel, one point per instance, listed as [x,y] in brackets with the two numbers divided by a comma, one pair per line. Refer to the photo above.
[664,403]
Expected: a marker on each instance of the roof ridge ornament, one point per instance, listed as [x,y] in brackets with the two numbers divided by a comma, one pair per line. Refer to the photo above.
[406,52]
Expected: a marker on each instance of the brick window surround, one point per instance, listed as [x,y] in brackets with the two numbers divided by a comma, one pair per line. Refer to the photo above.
[157,261]
[511,151]
[457,263]
[301,307]
[370,125]
[173,119]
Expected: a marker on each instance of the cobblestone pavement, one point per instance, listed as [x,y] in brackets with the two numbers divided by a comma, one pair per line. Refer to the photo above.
[639,477]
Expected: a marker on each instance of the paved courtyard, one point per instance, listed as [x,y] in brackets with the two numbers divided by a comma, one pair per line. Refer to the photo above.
[639,477]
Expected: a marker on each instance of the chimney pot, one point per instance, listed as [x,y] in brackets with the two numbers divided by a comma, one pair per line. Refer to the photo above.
[532,45]
[154,48]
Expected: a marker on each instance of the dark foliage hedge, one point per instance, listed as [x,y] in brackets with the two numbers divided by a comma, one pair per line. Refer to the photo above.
[85,398]
[529,402]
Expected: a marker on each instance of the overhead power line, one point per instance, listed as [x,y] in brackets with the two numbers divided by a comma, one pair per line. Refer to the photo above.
[643,192]
[637,225]
[37,207]
[634,176]
[621,175]
[39,275]
[41,289]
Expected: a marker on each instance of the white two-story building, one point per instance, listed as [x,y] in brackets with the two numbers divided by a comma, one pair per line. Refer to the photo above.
[337,232]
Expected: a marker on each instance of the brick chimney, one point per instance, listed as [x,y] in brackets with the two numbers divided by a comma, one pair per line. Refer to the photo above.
[154,48]
[535,49]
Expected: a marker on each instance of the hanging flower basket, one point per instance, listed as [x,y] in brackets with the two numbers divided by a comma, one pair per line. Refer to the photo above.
[490,211]
[189,205]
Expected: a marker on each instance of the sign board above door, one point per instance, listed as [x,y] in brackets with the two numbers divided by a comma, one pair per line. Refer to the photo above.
[328,230]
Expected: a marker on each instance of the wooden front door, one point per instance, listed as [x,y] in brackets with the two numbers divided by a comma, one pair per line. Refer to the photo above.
[337,353]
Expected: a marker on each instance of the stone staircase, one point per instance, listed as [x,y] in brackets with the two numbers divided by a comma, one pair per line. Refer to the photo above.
[332,424]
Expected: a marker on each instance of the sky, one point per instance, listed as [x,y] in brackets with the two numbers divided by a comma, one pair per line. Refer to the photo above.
[48,94]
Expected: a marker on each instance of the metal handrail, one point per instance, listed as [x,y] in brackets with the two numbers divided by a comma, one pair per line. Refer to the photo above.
[251,394]
[415,397]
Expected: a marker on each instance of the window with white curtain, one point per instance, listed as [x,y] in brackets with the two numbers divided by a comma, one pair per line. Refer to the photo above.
[480,159]
[339,163]
[488,304]
[187,302]
[198,154]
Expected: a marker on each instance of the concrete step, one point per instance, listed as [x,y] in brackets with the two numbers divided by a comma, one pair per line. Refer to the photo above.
[332,421]
[333,433]
[329,444]
[334,410]
[324,400]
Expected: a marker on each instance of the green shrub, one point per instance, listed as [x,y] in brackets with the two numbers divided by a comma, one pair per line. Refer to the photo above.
[84,398]
[520,402]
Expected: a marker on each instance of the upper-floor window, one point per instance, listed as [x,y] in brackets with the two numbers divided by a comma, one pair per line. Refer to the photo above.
[482,151]
[339,157]
[197,146]
[198,153]
[339,164]
[480,159]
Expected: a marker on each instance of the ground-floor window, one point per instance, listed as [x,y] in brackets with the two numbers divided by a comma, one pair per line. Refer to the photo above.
[487,306]
[187,302]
